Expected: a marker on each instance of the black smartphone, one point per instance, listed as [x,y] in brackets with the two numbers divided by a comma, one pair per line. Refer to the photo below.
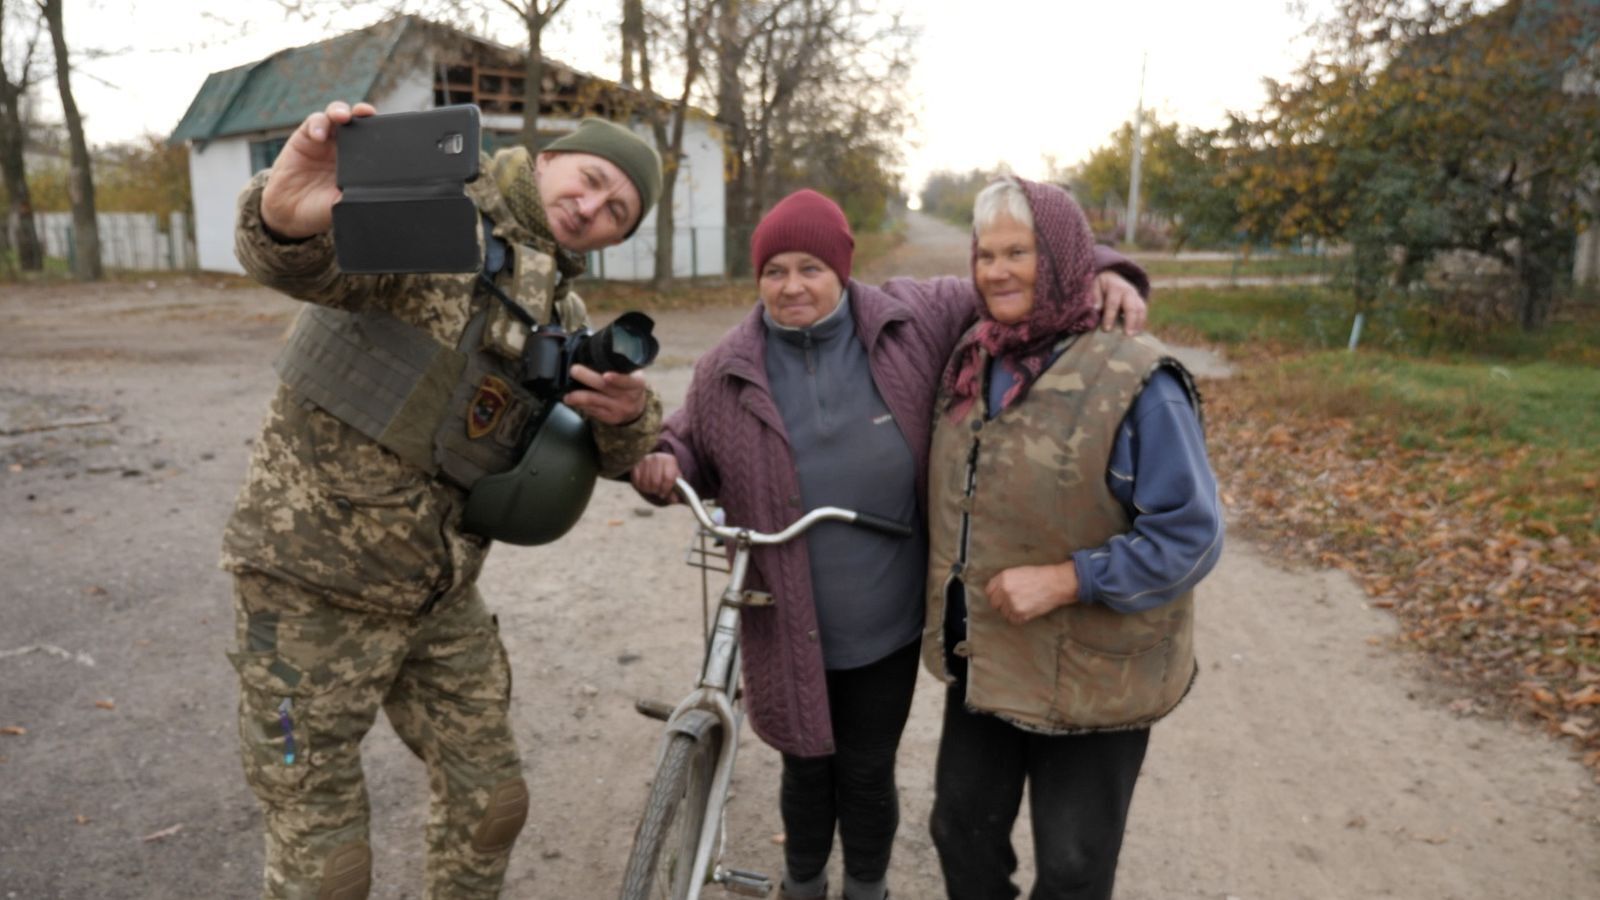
[404,207]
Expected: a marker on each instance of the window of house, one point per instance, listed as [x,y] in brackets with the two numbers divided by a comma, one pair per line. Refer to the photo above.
[264,153]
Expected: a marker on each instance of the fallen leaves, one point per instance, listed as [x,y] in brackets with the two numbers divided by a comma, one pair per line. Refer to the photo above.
[1466,547]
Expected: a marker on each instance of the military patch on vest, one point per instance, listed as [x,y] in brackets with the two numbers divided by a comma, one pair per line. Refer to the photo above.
[488,405]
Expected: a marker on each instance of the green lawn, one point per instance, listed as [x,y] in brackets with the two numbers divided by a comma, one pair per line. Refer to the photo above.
[1526,403]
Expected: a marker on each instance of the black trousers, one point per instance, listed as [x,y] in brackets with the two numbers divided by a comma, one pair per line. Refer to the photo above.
[854,788]
[1079,790]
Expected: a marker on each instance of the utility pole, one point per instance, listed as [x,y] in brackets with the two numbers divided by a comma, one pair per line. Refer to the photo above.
[1138,152]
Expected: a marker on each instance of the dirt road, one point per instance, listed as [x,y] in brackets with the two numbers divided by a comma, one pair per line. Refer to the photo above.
[1311,761]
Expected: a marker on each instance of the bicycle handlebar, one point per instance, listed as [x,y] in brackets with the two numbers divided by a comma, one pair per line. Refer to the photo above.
[820,514]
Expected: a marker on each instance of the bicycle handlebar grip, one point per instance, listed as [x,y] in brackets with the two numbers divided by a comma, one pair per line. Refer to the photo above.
[887,526]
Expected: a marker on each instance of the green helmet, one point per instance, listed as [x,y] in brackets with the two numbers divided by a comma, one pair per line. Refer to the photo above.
[540,498]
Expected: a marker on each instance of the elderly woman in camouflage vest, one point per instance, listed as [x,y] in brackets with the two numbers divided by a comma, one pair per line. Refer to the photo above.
[1071,513]
[824,396]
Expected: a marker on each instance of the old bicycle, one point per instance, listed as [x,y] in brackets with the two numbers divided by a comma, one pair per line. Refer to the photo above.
[677,848]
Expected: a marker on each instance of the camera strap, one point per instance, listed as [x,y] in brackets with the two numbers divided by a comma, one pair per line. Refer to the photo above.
[495,254]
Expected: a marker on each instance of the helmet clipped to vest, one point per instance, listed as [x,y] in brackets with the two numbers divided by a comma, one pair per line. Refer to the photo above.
[540,498]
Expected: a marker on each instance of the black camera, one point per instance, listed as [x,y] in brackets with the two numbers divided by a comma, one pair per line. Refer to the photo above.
[626,345]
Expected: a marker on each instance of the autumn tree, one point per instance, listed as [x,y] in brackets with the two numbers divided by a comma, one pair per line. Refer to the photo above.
[86,233]
[19,39]
[1181,180]
[1425,126]
[145,175]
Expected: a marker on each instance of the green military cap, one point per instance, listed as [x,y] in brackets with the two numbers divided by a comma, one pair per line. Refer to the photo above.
[631,153]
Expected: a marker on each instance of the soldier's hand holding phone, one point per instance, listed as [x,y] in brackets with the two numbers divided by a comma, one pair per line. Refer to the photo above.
[303,186]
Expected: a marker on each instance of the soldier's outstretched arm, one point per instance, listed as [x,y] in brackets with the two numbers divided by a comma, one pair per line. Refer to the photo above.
[283,236]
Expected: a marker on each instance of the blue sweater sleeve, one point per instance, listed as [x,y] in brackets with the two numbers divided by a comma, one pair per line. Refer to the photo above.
[1160,474]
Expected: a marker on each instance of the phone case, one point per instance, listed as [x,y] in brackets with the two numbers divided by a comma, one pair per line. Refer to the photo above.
[403,207]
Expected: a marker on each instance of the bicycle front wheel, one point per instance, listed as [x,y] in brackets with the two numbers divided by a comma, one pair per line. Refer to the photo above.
[661,865]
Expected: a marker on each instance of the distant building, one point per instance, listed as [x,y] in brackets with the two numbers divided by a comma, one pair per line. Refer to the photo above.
[241,118]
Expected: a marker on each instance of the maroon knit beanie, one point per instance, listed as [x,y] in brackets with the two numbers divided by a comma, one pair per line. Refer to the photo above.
[805,222]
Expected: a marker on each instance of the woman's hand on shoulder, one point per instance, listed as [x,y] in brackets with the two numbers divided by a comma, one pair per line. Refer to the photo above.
[1025,593]
[656,475]
[1117,296]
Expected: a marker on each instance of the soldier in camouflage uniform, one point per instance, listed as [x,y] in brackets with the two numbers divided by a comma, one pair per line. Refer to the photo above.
[354,578]
[1071,513]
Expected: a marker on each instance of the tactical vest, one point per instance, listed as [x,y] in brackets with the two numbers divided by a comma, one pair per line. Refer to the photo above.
[459,412]
[1028,487]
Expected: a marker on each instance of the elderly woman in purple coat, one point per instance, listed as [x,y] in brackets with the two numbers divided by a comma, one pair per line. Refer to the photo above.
[824,395]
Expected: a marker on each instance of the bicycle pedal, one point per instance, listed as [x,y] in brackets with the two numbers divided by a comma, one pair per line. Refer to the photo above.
[745,884]
[655,709]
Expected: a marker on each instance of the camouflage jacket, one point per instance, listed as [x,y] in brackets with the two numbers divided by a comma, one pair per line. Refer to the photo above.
[326,507]
[1028,487]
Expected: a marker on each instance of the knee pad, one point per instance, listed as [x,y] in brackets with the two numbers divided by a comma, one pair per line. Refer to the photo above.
[502,820]
[347,873]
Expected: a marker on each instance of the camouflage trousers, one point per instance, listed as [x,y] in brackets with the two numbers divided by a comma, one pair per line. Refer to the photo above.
[312,678]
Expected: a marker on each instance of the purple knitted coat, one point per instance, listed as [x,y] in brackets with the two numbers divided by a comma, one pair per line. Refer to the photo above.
[730,442]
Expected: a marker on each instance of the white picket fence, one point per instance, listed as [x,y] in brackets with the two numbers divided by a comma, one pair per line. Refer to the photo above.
[127,240]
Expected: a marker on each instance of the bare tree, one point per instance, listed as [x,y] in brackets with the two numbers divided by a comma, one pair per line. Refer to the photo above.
[86,258]
[633,38]
[13,139]
[535,16]
[731,46]
[803,85]
[686,25]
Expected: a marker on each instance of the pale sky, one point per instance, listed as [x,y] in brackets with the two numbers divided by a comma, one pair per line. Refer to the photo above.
[996,80]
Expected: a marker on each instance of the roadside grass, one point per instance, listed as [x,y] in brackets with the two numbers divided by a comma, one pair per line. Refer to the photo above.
[1454,472]
[54,267]
[874,245]
[1240,266]
[57,272]
[686,293]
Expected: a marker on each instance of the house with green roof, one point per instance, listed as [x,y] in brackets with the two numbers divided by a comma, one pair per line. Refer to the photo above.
[241,118]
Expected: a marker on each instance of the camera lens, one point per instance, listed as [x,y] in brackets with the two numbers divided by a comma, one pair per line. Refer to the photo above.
[623,346]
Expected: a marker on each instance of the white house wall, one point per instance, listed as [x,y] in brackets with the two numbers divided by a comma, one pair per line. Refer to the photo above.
[217,173]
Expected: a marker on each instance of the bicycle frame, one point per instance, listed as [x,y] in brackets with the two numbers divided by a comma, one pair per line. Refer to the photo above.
[715,692]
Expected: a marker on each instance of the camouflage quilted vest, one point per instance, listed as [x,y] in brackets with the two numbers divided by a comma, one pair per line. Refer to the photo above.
[1028,488]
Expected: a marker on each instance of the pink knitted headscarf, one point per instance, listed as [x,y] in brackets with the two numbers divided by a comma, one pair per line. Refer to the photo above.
[1063,303]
